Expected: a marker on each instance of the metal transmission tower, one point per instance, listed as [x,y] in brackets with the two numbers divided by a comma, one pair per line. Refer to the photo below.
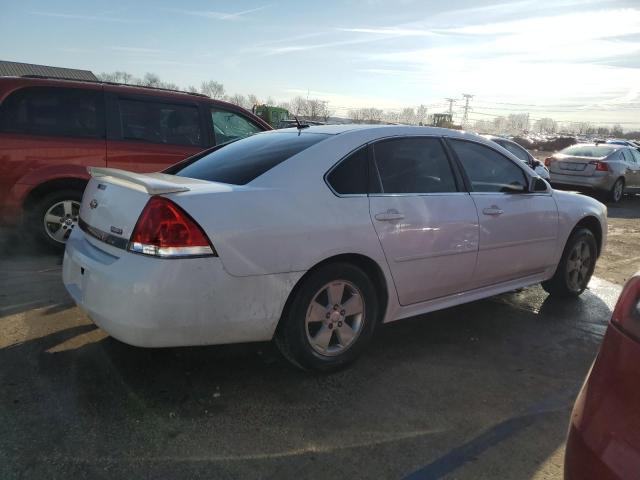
[451,102]
[467,108]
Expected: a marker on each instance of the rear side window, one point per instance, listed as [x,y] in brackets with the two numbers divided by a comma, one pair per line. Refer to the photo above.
[157,122]
[63,112]
[242,161]
[413,165]
[350,176]
[627,156]
[488,171]
[229,126]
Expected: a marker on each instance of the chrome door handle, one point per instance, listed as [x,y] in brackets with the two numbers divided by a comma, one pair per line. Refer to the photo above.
[493,211]
[389,216]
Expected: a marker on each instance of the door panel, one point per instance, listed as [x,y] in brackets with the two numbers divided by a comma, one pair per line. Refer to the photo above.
[145,157]
[518,235]
[430,242]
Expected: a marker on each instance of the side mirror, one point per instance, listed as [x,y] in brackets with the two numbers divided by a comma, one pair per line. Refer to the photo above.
[539,185]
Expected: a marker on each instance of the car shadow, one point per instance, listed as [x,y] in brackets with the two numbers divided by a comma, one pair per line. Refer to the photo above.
[426,387]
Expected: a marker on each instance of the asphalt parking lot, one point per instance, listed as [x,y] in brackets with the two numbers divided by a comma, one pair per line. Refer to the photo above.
[478,391]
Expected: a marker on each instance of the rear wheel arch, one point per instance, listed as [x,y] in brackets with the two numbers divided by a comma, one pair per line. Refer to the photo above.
[369,266]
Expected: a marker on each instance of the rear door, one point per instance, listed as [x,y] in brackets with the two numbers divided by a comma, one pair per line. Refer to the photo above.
[147,134]
[632,174]
[518,229]
[426,223]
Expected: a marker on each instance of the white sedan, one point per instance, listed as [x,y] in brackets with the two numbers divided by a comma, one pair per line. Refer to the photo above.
[313,236]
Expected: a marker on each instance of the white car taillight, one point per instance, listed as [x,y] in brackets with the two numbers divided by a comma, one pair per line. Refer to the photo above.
[165,230]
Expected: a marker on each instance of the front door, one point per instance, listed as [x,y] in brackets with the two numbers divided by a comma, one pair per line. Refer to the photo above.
[518,229]
[427,226]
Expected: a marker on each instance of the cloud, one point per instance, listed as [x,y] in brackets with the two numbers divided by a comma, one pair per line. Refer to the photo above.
[214,15]
[139,50]
[79,16]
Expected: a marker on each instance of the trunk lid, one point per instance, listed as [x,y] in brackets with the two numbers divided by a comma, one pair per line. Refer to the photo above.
[114,200]
[573,165]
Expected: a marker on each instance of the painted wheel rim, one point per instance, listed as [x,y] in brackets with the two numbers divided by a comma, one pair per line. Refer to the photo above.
[335,318]
[60,220]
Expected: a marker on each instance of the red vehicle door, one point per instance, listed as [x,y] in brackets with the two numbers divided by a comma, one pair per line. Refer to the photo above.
[148,133]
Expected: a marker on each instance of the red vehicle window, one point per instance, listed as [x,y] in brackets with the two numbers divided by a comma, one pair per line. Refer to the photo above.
[160,122]
[54,111]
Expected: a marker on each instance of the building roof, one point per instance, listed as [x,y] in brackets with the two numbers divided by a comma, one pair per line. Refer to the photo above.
[16,69]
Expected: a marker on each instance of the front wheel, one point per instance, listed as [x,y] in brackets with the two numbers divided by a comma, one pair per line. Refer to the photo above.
[330,318]
[576,265]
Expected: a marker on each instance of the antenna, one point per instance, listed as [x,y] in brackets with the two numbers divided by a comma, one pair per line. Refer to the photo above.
[299,125]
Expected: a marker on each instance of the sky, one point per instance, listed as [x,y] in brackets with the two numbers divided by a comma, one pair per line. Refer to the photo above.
[571,60]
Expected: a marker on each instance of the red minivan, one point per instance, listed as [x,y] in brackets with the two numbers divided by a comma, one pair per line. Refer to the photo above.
[51,130]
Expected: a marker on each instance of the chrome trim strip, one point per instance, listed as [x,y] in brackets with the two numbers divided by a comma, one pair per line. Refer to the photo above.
[105,237]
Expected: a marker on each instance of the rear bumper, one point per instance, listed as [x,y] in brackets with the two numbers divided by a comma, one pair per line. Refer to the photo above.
[592,183]
[604,436]
[151,302]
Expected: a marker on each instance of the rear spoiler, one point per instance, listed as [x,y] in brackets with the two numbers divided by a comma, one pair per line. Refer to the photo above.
[152,183]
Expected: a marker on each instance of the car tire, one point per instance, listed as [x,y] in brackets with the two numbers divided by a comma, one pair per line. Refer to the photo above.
[617,191]
[576,265]
[61,205]
[319,331]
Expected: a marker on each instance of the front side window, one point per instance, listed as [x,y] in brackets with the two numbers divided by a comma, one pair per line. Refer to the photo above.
[63,112]
[636,156]
[350,176]
[156,122]
[414,165]
[244,160]
[487,170]
[229,126]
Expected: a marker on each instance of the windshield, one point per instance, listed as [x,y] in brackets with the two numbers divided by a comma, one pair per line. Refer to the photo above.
[595,151]
[242,161]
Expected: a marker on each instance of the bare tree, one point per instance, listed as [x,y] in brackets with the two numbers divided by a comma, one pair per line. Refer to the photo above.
[545,125]
[212,89]
[421,115]
[238,99]
[253,100]
[150,80]
[616,130]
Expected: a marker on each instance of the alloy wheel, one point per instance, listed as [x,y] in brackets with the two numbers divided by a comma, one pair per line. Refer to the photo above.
[60,219]
[617,191]
[335,318]
[579,265]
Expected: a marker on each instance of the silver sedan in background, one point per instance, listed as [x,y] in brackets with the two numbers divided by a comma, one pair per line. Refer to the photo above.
[522,154]
[608,168]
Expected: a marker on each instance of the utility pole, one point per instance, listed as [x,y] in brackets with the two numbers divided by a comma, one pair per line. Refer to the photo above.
[451,102]
[467,108]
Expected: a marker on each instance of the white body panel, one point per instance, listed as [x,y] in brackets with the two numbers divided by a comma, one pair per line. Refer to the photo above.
[269,233]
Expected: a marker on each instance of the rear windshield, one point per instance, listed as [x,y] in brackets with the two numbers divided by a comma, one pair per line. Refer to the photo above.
[242,161]
[597,151]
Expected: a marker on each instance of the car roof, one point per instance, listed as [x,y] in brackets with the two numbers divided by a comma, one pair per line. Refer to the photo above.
[385,130]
